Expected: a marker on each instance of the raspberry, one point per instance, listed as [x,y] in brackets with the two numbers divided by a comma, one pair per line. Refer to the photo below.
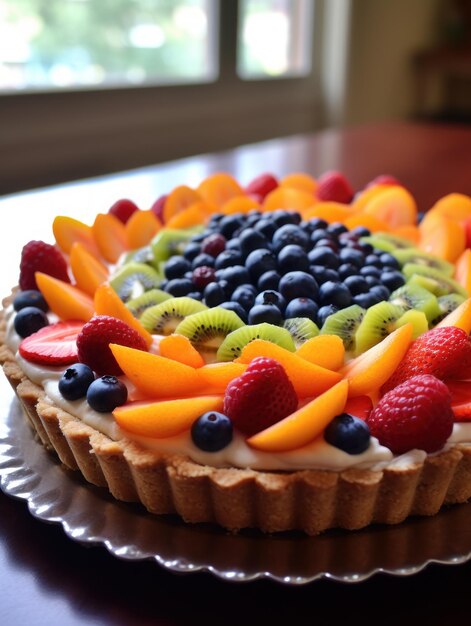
[260,397]
[443,352]
[93,343]
[158,207]
[383,179]
[203,275]
[213,244]
[334,187]
[123,209]
[38,256]
[416,414]
[261,186]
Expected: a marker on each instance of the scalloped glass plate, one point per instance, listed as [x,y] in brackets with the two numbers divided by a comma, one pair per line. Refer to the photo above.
[89,515]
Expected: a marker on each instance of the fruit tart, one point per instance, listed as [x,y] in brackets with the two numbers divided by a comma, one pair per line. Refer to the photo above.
[288,355]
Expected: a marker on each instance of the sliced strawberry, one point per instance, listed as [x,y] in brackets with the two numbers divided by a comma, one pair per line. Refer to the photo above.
[462,412]
[52,345]
[359,407]
[460,399]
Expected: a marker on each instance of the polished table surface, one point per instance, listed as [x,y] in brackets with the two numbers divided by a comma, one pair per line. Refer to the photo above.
[46,578]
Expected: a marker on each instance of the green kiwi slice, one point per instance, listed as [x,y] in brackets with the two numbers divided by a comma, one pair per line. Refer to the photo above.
[344,323]
[418,319]
[301,329]
[163,318]
[386,241]
[378,321]
[412,255]
[138,305]
[140,255]
[170,241]
[439,284]
[207,329]
[447,304]
[411,296]
[134,279]
[232,345]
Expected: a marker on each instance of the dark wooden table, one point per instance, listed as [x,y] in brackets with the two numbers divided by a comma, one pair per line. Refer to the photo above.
[46,578]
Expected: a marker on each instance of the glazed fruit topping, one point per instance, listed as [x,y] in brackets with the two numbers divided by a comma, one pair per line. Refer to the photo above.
[212,431]
[29,320]
[38,256]
[95,337]
[260,397]
[106,393]
[75,381]
[52,345]
[30,297]
[416,414]
[123,209]
[348,433]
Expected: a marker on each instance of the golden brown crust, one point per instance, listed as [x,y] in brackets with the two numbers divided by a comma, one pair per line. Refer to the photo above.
[309,500]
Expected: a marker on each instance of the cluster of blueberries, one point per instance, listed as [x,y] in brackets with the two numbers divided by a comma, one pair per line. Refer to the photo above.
[271,267]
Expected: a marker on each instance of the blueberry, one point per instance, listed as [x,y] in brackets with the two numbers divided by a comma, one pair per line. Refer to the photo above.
[392,279]
[216,218]
[268,280]
[317,223]
[302,307]
[282,217]
[233,244]
[289,234]
[176,267]
[324,255]
[267,227]
[350,255]
[195,295]
[373,259]
[212,431]
[420,216]
[271,297]
[253,217]
[337,294]
[366,247]
[324,312]
[370,270]
[319,233]
[381,291]
[192,250]
[235,275]
[75,381]
[106,393]
[269,313]
[30,297]
[356,284]
[323,274]
[347,269]
[179,287]
[291,258]
[214,294]
[328,242]
[348,433]
[229,224]
[361,231]
[202,259]
[245,296]
[29,320]
[213,244]
[298,285]
[365,300]
[251,239]
[336,228]
[230,305]
[389,261]
[228,258]
[258,262]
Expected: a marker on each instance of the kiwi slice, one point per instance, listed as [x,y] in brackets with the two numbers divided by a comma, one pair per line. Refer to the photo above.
[415,297]
[138,305]
[378,321]
[163,318]
[301,329]
[140,255]
[439,284]
[447,304]
[418,319]
[134,279]
[344,323]
[386,241]
[169,241]
[412,255]
[232,345]
[207,329]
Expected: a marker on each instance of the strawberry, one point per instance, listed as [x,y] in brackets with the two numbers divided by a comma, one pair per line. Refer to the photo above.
[416,414]
[94,340]
[384,179]
[261,186]
[158,207]
[38,256]
[334,187]
[260,397]
[123,209]
[460,399]
[443,352]
[52,345]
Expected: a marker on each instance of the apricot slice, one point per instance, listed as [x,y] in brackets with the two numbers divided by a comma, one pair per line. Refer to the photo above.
[177,200]
[369,221]
[156,376]
[239,204]
[110,236]
[65,300]
[460,317]
[107,302]
[308,379]
[362,199]
[88,271]
[141,228]
[166,418]
[301,181]
[369,371]
[408,231]
[193,215]
[328,211]
[394,205]
[447,239]
[463,270]
[287,198]
[303,426]
[325,350]
[456,206]
[219,375]
[180,348]
[219,188]
[67,231]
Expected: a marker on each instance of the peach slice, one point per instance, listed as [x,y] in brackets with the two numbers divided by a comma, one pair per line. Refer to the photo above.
[107,302]
[460,317]
[369,221]
[239,204]
[463,270]
[394,205]
[219,375]
[456,206]
[369,371]
[141,227]
[219,188]
[408,231]
[303,426]
[155,376]
[166,418]
[362,199]
[177,200]
[180,348]
[446,238]
[325,350]
[110,236]
[288,198]
[88,271]
[301,181]
[65,300]
[192,215]
[308,379]
[67,231]
[328,211]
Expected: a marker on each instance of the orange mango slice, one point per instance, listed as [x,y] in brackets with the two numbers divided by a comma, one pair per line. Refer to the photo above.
[219,188]
[328,211]
[180,348]
[456,206]
[303,426]
[308,379]
[65,300]
[460,317]
[219,375]
[155,376]
[110,236]
[177,200]
[301,181]
[463,270]
[141,228]
[193,215]
[394,205]
[288,198]
[362,199]
[369,221]
[407,232]
[239,204]
[445,239]
[88,271]
[166,418]
[67,231]
[369,371]
[107,302]
[325,350]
